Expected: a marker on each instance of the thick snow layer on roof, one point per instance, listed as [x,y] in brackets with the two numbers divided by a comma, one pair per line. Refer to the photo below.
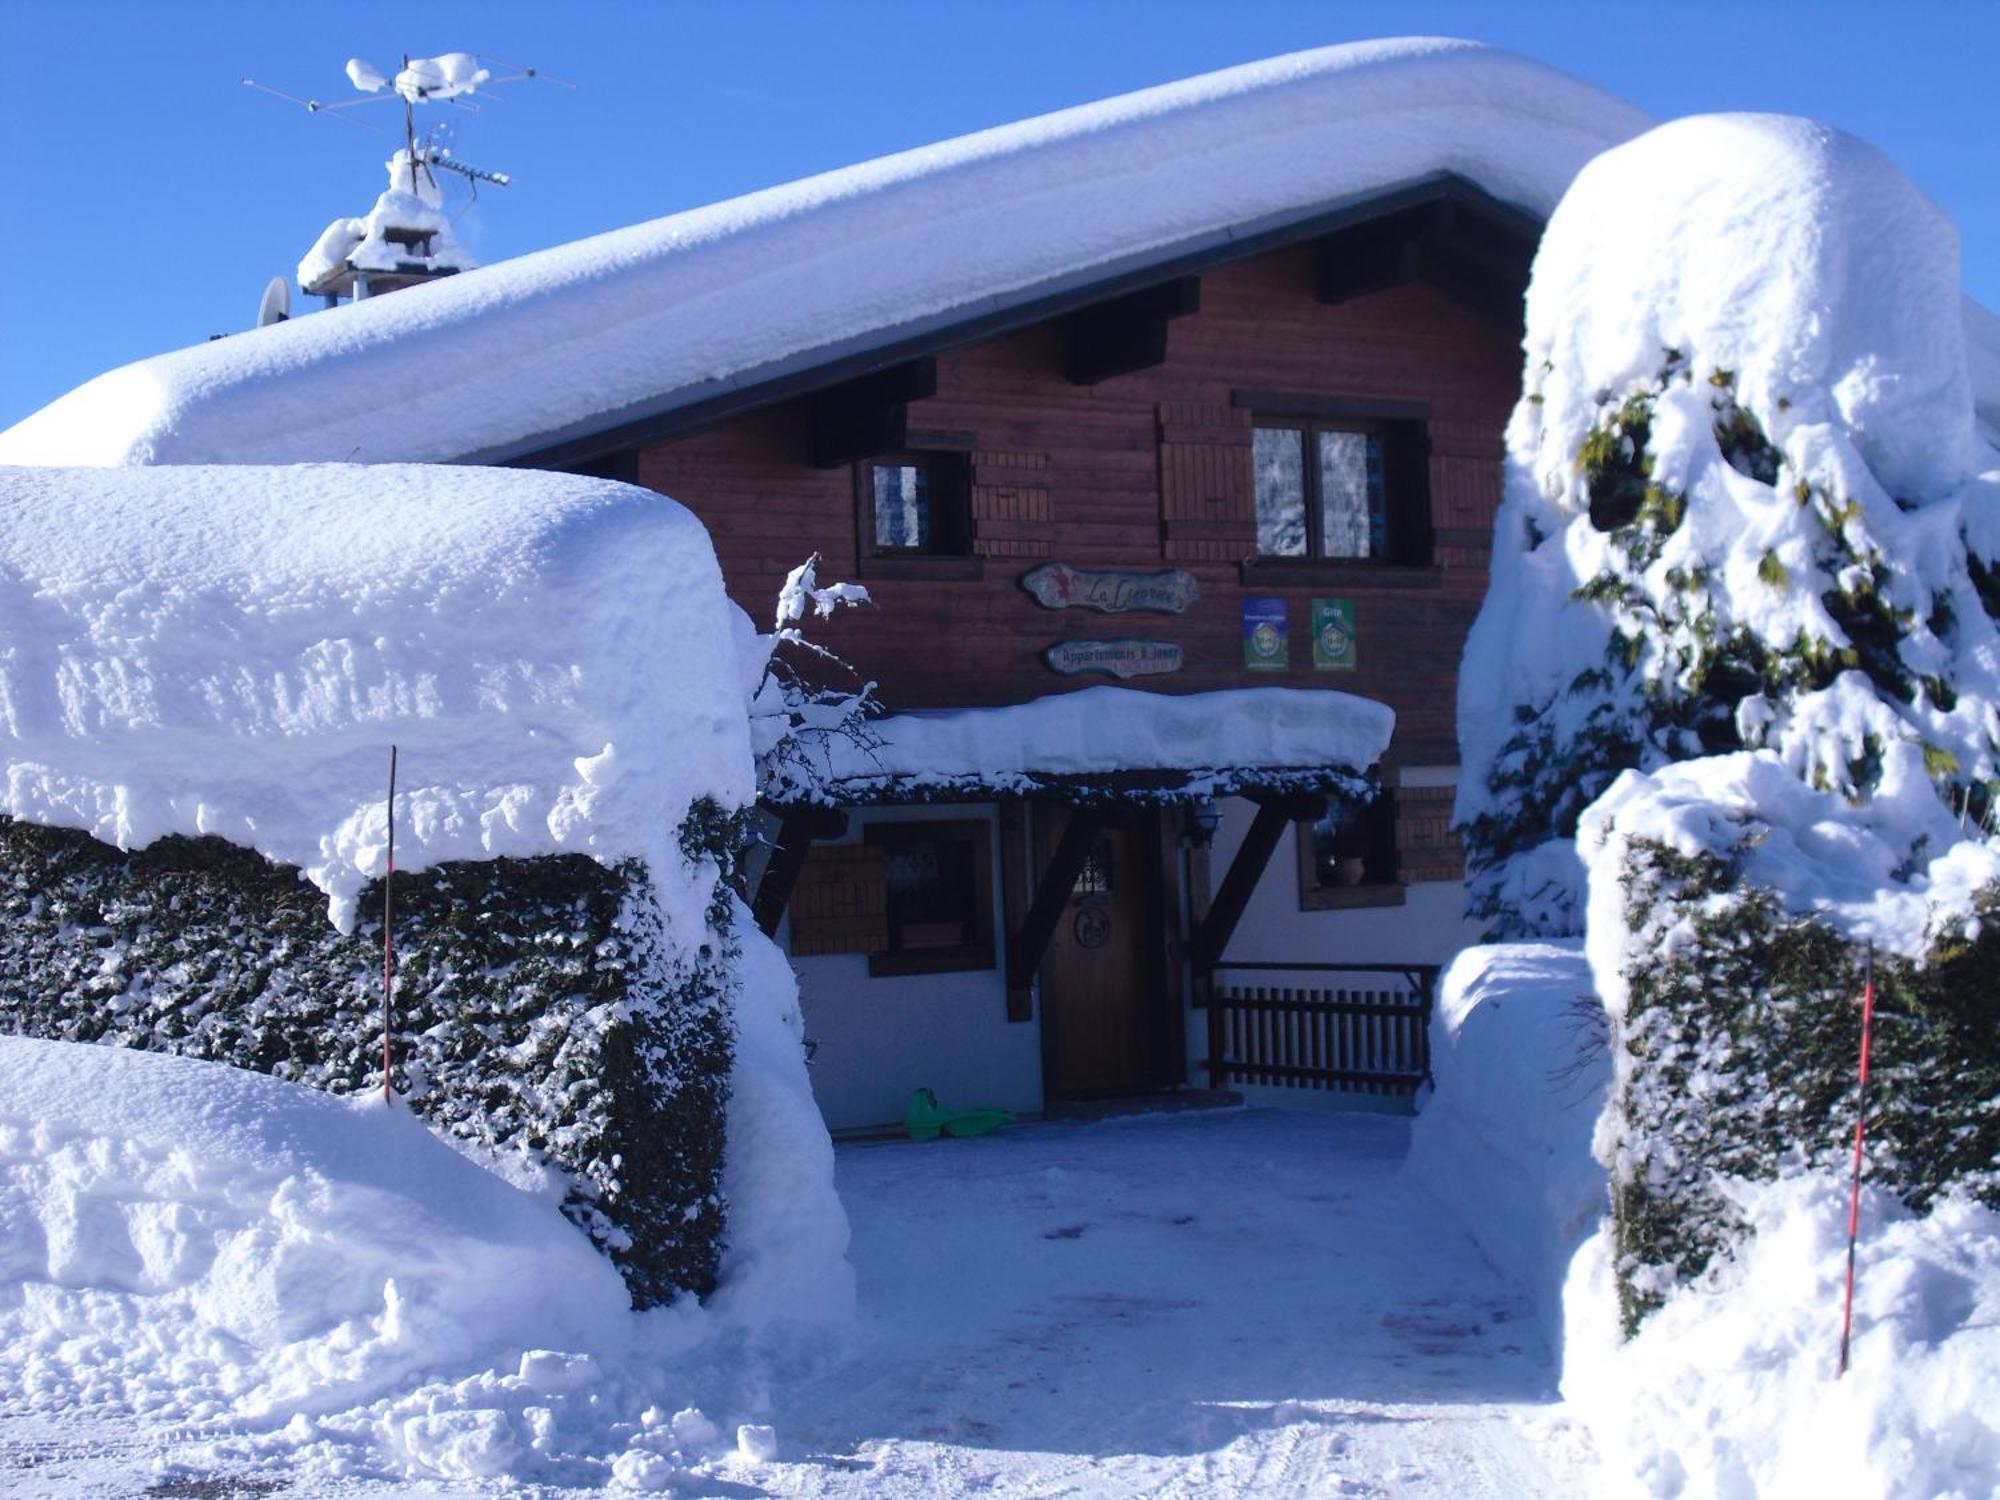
[517,354]
[1096,731]
[1754,323]
[233,651]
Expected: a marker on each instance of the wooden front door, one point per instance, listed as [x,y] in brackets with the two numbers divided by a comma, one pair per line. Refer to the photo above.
[1104,1023]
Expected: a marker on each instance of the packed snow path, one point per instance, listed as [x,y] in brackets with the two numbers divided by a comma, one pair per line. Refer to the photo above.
[1237,1303]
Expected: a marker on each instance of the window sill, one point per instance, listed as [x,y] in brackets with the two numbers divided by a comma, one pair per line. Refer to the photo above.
[1343,573]
[928,961]
[1344,897]
[941,566]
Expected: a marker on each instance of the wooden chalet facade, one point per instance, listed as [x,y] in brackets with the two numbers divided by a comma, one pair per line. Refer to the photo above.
[1304,428]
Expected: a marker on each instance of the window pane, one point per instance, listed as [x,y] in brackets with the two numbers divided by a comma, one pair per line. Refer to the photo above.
[1354,515]
[902,508]
[1279,455]
[930,894]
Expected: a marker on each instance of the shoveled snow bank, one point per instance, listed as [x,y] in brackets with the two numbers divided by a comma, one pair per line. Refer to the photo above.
[1505,1138]
[512,357]
[264,1277]
[185,1240]
[1099,730]
[1729,1390]
[232,651]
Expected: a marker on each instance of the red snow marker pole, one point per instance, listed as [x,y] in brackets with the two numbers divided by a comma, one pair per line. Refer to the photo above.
[1860,1131]
[388,941]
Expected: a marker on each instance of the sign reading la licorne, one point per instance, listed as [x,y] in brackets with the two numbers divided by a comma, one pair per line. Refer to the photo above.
[1057,585]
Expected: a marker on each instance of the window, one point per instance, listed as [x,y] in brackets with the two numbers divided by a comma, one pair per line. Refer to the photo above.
[1347,857]
[916,505]
[937,880]
[1321,490]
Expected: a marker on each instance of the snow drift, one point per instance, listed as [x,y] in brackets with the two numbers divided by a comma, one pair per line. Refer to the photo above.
[232,652]
[187,1240]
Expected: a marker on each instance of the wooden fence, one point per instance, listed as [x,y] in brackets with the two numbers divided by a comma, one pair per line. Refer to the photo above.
[1373,1038]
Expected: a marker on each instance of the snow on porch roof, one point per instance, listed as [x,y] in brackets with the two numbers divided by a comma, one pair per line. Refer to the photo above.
[515,357]
[1103,742]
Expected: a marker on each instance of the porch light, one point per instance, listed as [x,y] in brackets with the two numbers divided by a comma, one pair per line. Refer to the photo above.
[1204,817]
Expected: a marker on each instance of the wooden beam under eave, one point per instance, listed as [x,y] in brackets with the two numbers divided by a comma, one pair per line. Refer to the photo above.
[1127,333]
[1027,948]
[868,415]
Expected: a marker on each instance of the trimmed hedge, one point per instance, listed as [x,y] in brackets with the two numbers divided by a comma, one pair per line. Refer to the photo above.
[1741,1040]
[540,1007]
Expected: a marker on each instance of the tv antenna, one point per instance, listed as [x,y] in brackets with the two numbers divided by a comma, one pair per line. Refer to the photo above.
[445,79]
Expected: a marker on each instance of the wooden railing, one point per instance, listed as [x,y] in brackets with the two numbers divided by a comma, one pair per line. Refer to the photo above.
[1372,1038]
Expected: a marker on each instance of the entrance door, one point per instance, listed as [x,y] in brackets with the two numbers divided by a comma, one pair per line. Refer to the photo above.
[1104,1022]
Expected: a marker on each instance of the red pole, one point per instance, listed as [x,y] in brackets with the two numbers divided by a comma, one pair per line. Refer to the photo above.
[1860,1131]
[388,941]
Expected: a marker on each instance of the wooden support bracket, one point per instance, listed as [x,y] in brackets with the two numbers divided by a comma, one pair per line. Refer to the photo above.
[801,824]
[1127,333]
[1026,948]
[1274,816]
[867,415]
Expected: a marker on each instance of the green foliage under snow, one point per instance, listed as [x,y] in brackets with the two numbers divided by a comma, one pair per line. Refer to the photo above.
[541,1008]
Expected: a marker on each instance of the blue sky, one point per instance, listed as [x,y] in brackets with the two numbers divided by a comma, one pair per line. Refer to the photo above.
[150,197]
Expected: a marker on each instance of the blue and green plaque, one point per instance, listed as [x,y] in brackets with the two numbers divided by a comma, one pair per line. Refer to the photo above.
[1265,647]
[1333,635]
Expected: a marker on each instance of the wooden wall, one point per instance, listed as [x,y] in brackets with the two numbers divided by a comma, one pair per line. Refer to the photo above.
[1075,473]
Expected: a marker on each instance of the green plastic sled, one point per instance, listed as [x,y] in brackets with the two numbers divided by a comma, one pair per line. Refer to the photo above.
[927,1119]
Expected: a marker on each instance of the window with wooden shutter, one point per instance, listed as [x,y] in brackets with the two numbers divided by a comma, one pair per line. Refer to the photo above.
[1012,512]
[1207,501]
[840,904]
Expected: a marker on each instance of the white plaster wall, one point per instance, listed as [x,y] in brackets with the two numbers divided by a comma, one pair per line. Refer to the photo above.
[1429,927]
[878,1039]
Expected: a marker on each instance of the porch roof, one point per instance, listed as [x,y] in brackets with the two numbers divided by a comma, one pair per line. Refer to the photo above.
[1117,744]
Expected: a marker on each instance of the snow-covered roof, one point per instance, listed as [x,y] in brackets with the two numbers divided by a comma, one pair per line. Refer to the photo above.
[232,651]
[519,356]
[1138,743]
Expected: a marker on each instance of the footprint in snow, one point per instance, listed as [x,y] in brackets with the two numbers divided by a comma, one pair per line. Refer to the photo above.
[1067,1232]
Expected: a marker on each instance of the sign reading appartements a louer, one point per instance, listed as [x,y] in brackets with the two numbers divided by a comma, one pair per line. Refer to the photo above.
[1114,658]
[1057,585]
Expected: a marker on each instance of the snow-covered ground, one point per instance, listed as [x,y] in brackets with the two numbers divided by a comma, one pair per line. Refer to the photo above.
[1226,1303]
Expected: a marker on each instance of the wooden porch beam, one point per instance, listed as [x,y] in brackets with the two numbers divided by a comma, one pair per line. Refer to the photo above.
[1274,816]
[1026,948]
[802,824]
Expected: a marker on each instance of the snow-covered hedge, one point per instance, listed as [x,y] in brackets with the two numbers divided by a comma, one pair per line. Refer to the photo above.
[542,1015]
[190,656]
[1739,1030]
[1739,675]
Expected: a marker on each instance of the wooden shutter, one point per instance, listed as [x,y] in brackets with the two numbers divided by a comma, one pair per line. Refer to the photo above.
[1012,512]
[1207,502]
[840,904]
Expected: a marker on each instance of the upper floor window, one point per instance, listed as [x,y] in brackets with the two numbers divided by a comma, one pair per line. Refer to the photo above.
[916,505]
[1322,490]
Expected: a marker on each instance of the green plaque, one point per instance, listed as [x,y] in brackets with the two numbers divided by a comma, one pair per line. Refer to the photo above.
[1333,635]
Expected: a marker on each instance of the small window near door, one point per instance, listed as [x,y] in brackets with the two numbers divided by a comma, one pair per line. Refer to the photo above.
[916,505]
[937,880]
[1347,857]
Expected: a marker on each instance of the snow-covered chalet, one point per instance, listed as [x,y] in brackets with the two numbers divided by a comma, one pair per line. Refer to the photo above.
[1166,435]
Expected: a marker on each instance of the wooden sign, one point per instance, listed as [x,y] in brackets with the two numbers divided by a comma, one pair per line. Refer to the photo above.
[1115,658]
[1059,586]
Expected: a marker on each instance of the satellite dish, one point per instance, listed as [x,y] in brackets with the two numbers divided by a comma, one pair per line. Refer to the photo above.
[275,306]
